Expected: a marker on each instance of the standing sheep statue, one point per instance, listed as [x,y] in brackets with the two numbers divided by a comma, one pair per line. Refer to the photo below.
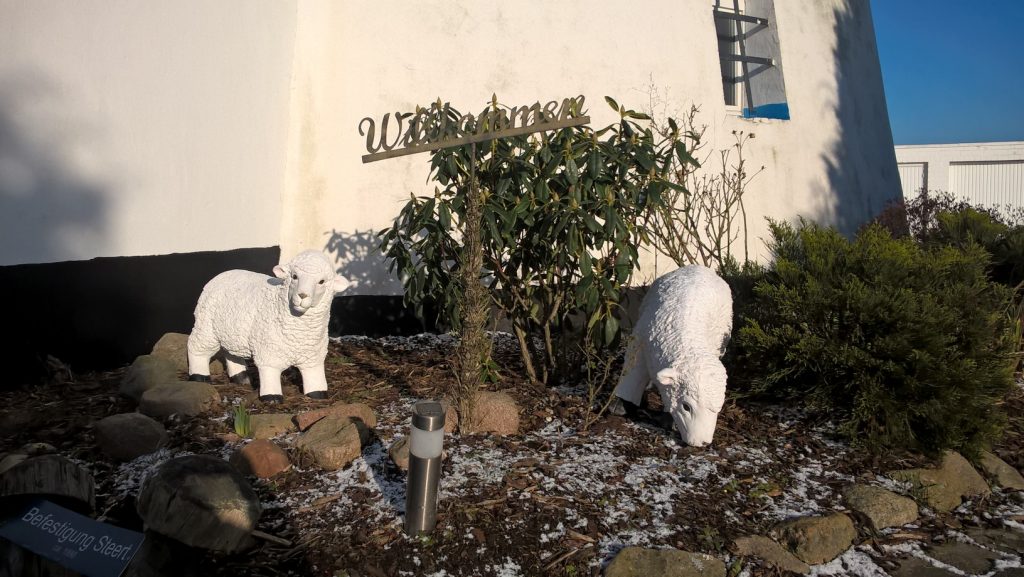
[679,339]
[277,322]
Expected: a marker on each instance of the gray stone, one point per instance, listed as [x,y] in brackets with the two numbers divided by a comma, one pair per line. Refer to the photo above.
[639,562]
[37,449]
[331,443]
[174,347]
[10,460]
[354,410]
[399,453]
[147,372]
[968,558]
[1006,540]
[200,501]
[271,425]
[816,539]
[53,476]
[1001,472]
[882,508]
[915,567]
[129,435]
[942,488]
[180,397]
[28,450]
[773,554]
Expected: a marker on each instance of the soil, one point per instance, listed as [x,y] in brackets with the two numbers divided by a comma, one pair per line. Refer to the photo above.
[554,500]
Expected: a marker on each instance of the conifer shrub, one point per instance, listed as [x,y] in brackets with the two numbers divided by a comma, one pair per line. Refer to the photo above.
[904,345]
[939,218]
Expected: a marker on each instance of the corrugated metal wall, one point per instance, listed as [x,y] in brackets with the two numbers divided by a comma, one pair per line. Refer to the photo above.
[914,177]
[982,173]
[988,183]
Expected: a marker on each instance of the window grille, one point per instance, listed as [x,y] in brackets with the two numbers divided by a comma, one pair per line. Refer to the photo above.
[746,41]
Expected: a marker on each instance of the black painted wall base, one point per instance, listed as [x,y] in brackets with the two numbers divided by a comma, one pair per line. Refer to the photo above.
[102,313]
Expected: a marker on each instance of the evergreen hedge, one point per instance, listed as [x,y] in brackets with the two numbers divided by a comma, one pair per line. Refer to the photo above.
[905,345]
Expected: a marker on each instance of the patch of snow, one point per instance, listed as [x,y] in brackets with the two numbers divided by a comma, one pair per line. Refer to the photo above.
[852,562]
[507,569]
[129,477]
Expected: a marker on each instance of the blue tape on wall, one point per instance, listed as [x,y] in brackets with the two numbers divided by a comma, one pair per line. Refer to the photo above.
[777,110]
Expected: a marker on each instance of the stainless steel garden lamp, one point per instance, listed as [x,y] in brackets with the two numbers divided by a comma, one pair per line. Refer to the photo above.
[425,441]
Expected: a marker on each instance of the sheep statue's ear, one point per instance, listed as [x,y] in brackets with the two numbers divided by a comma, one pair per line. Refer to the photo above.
[280,272]
[666,376]
[340,283]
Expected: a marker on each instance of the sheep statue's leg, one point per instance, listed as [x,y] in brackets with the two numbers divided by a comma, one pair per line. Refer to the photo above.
[236,369]
[633,382]
[270,384]
[314,382]
[199,355]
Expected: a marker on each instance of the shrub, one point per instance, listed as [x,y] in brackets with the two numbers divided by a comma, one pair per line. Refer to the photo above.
[906,345]
[939,218]
[562,217]
[704,215]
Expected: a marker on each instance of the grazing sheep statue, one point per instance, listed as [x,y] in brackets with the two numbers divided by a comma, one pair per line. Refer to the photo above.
[683,329]
[277,322]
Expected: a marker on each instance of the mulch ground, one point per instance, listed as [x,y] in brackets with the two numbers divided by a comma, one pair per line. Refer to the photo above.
[554,500]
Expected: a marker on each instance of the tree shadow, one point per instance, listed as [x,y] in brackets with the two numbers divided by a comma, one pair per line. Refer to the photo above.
[373,305]
[50,211]
[861,164]
[359,260]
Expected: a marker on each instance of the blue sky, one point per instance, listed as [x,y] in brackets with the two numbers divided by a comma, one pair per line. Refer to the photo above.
[953,69]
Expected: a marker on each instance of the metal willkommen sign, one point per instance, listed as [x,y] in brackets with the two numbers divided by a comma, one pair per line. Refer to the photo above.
[77,542]
[431,129]
[439,127]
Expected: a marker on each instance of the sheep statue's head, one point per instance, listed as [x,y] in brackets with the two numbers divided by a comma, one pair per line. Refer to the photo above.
[694,395]
[308,278]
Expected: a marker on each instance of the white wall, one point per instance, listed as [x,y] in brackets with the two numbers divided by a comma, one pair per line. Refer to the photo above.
[832,162]
[985,173]
[141,127]
[146,127]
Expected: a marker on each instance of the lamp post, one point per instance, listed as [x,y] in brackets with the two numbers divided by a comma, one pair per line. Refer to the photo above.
[426,439]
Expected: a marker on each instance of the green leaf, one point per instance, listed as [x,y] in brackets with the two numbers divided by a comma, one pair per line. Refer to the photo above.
[571,171]
[503,186]
[611,102]
[594,163]
[684,156]
[444,215]
[644,159]
[638,115]
[611,330]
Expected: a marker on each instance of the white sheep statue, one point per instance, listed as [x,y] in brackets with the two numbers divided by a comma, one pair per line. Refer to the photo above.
[277,322]
[678,341]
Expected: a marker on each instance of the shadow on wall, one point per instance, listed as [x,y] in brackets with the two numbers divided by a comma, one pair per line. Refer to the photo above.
[90,314]
[360,261]
[374,305]
[48,211]
[861,165]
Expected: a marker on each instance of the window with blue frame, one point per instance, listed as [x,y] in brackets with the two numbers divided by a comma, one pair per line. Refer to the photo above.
[750,58]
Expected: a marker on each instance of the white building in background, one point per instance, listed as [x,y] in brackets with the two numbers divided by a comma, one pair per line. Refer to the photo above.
[146,145]
[984,173]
